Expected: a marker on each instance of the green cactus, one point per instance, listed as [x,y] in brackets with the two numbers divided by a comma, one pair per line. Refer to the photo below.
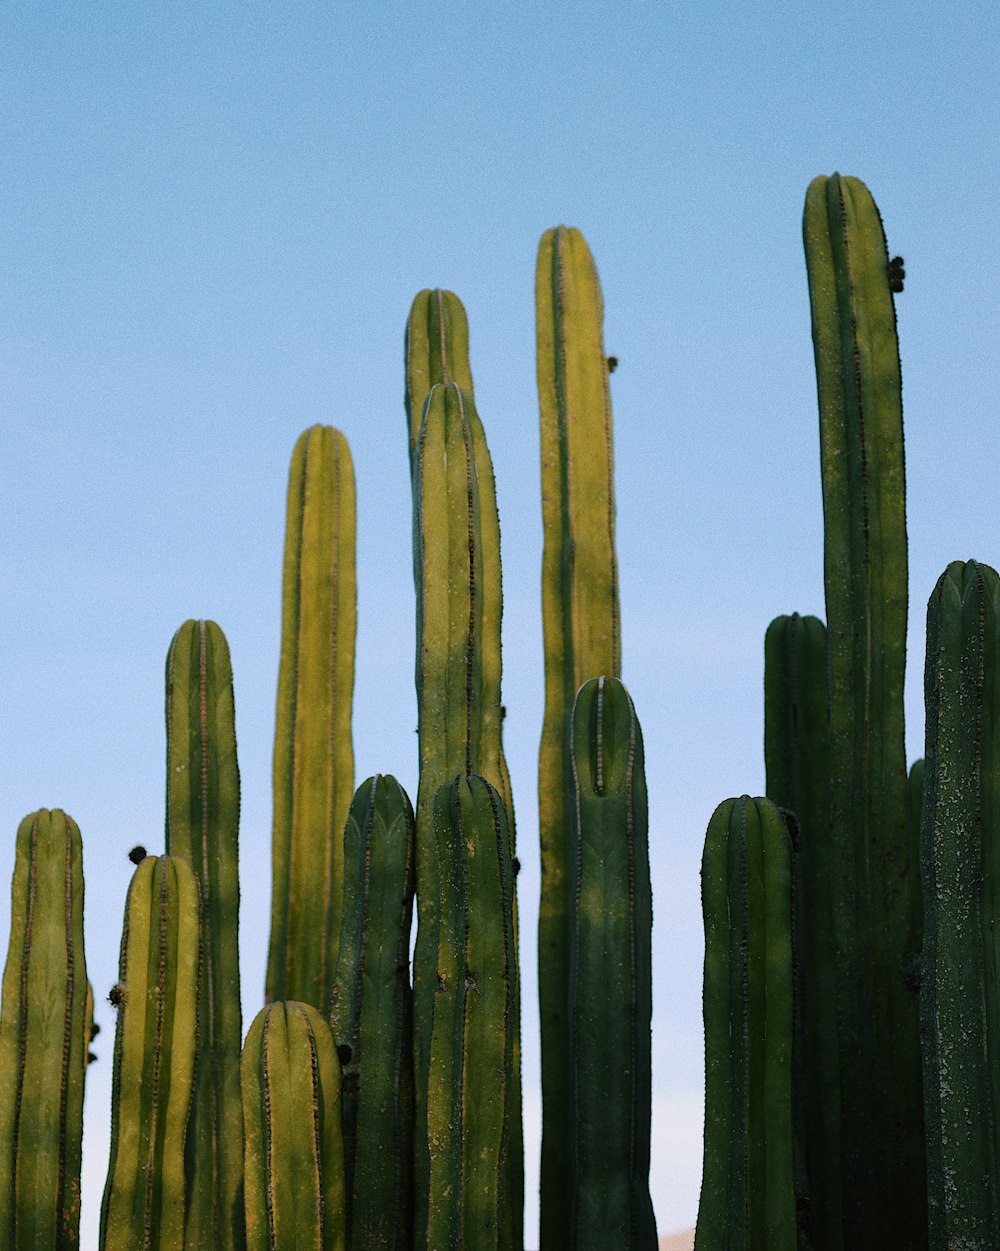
[471,1070]
[436,351]
[582,637]
[610,994]
[748,1198]
[203,815]
[44,1038]
[146,1194]
[876,900]
[313,752]
[960,995]
[371,1014]
[294,1172]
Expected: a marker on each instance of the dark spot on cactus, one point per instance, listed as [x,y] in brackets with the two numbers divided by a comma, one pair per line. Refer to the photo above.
[503,713]
[138,854]
[116,995]
[516,866]
[470,981]
[612,364]
[897,274]
[91,1057]
[95,1029]
[442,982]
[344,1053]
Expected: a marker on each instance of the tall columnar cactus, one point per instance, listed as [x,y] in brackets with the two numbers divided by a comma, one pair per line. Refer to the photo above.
[582,637]
[471,1071]
[203,816]
[960,992]
[313,753]
[610,996]
[294,1175]
[876,900]
[436,351]
[44,1036]
[748,1198]
[371,1014]
[146,1194]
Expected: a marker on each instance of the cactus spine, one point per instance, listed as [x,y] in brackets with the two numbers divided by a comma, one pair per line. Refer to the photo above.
[582,637]
[747,1190]
[313,753]
[294,1176]
[203,815]
[145,1197]
[44,1036]
[371,1015]
[960,996]
[610,997]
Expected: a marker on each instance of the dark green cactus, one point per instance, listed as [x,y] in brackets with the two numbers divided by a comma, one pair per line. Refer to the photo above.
[582,637]
[146,1194]
[960,994]
[371,1014]
[748,1198]
[203,816]
[294,1172]
[313,753]
[44,1038]
[436,351]
[876,899]
[610,993]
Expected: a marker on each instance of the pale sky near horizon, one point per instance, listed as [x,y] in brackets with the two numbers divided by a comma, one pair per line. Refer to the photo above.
[213,222]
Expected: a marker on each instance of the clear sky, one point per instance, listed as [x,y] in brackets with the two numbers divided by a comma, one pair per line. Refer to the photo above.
[214,218]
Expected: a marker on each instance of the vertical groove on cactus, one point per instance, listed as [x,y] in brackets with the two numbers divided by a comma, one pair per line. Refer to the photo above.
[313,753]
[581,631]
[436,351]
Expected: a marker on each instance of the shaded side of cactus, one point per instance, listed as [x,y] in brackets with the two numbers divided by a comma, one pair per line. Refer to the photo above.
[313,752]
[865,566]
[202,827]
[582,637]
[748,1180]
[294,1170]
[610,995]
[146,1193]
[471,1064]
[44,1037]
[960,995]
[371,1014]
[436,351]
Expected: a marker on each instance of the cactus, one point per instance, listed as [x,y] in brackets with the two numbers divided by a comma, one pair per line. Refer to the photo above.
[582,636]
[371,1014]
[436,351]
[610,995]
[203,813]
[748,1195]
[960,997]
[876,901]
[313,753]
[471,1066]
[145,1197]
[294,1173]
[44,1037]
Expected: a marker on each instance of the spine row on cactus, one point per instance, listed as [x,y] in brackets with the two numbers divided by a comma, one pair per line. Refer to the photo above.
[202,827]
[44,1036]
[313,753]
[610,999]
[581,632]
[371,1014]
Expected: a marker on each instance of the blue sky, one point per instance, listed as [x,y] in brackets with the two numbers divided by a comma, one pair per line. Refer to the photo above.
[213,221]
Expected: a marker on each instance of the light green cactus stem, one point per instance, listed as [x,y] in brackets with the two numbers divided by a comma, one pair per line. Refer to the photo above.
[748,1197]
[203,815]
[582,637]
[877,889]
[145,1197]
[960,994]
[471,1071]
[43,1039]
[294,1174]
[371,1014]
[797,755]
[313,752]
[610,996]
[436,351]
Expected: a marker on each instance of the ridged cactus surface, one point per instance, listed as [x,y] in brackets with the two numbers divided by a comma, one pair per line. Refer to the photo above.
[436,351]
[610,996]
[146,1194]
[313,752]
[44,1038]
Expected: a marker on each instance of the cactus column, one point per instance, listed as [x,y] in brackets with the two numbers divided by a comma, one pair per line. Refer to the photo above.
[581,632]
[44,1035]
